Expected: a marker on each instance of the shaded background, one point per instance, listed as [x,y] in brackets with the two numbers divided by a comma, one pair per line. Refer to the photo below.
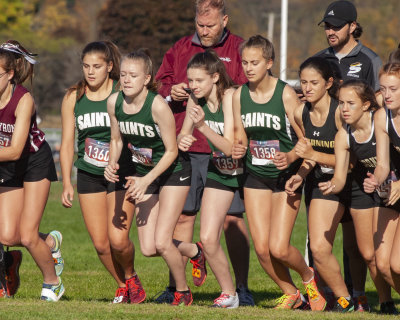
[58,30]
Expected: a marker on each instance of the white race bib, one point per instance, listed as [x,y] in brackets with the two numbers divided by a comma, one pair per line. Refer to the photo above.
[227,165]
[96,152]
[263,152]
[143,156]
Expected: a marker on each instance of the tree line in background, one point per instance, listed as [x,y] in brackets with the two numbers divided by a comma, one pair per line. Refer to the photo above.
[58,29]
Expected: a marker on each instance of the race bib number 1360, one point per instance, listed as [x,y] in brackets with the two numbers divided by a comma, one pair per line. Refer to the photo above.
[96,152]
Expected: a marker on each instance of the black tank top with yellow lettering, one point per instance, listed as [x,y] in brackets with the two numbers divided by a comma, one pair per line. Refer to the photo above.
[322,138]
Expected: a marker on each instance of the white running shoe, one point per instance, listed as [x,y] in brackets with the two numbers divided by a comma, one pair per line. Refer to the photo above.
[56,252]
[226,301]
[52,293]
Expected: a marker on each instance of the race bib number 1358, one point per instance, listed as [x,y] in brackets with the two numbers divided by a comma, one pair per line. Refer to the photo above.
[263,152]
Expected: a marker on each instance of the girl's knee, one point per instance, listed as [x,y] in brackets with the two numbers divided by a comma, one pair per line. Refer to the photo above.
[162,245]
[383,266]
[10,239]
[368,256]
[148,251]
[208,241]
[102,247]
[320,252]
[120,244]
[395,265]
[279,251]
[29,240]
[262,252]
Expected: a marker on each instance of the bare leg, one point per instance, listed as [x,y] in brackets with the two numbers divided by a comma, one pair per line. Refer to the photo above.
[94,211]
[35,198]
[11,205]
[120,216]
[384,226]
[363,220]
[324,217]
[171,201]
[183,232]
[258,209]
[285,211]
[395,259]
[214,206]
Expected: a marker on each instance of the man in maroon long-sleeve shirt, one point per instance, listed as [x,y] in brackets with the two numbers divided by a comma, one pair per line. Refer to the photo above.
[210,23]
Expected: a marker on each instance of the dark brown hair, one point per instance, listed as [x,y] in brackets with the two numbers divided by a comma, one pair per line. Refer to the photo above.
[326,69]
[358,31]
[363,91]
[394,56]
[22,68]
[211,63]
[143,54]
[110,53]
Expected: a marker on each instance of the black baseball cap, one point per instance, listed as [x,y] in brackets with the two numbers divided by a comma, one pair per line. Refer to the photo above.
[340,13]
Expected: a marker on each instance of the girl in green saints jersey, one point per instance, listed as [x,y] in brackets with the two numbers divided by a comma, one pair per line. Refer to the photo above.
[85,108]
[210,111]
[143,122]
[263,122]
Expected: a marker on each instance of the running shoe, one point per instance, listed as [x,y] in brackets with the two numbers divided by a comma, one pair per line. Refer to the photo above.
[289,301]
[3,293]
[52,293]
[13,261]
[182,299]
[388,308]
[330,300]
[135,290]
[343,305]
[226,301]
[166,296]
[56,252]
[121,296]
[245,297]
[199,270]
[315,298]
[361,304]
[3,282]
[305,305]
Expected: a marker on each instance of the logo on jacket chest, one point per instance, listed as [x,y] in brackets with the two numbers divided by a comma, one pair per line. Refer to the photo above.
[354,70]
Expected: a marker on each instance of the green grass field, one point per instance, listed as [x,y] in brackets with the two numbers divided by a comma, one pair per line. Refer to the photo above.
[90,289]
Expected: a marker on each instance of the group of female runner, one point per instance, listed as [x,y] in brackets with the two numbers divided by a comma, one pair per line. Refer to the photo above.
[339,144]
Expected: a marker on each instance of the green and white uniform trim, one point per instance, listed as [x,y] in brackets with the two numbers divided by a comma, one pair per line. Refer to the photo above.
[221,168]
[93,125]
[142,136]
[268,131]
